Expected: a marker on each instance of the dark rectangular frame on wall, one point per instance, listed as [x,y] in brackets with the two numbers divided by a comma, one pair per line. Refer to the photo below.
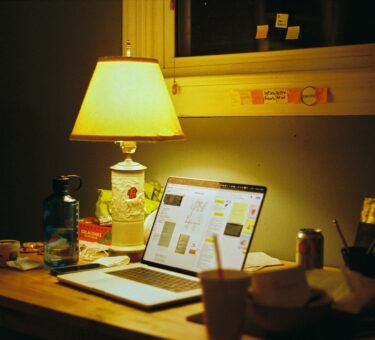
[227,27]
[214,85]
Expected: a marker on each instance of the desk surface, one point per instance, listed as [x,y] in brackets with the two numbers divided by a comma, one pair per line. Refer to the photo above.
[35,303]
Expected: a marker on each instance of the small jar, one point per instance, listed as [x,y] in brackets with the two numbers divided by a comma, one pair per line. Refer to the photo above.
[9,251]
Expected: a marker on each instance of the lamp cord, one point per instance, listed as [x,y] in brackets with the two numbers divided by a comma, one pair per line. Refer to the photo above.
[174,85]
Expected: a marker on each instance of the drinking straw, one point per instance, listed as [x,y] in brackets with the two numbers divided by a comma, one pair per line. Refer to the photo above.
[336,223]
[218,258]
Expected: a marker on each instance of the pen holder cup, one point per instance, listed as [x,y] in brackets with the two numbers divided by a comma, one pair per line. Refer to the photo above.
[358,260]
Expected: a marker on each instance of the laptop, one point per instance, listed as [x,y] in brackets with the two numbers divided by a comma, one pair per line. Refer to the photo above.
[181,244]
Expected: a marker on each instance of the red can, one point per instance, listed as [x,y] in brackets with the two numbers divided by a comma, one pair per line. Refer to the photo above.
[310,248]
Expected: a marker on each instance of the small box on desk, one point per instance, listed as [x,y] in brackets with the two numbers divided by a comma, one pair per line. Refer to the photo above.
[90,230]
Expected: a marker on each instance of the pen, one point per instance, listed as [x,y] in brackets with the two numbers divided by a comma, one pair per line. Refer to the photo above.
[336,223]
[371,248]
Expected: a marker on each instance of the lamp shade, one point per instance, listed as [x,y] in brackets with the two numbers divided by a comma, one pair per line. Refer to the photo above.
[127,100]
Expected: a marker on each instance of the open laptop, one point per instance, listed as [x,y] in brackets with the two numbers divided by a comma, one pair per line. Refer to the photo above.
[181,243]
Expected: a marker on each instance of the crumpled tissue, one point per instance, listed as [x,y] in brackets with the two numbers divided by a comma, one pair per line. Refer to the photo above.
[350,291]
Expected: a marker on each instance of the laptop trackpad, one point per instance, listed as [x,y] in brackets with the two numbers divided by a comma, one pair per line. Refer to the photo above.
[131,291]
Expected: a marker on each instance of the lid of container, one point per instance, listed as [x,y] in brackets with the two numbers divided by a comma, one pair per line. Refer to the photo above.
[61,183]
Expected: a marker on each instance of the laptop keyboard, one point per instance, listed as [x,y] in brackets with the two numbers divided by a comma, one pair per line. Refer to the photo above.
[157,279]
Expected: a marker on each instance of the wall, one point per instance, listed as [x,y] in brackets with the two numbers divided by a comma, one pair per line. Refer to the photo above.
[315,168]
[48,53]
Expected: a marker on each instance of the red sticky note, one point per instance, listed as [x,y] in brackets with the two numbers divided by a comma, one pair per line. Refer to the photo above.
[322,95]
[294,96]
[257,97]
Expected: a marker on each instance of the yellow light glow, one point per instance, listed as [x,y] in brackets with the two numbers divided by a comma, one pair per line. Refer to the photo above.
[127,99]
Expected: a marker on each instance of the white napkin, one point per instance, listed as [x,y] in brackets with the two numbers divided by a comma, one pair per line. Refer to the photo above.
[112,261]
[24,263]
[259,260]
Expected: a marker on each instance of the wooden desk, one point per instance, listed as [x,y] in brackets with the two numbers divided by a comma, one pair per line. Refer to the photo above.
[34,303]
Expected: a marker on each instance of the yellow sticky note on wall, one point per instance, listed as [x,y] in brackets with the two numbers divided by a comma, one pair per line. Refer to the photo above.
[262,32]
[293,33]
[281,20]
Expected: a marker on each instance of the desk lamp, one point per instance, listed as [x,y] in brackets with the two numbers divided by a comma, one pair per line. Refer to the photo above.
[126,102]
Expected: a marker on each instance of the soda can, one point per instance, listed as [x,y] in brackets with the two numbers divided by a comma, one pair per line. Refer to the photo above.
[310,248]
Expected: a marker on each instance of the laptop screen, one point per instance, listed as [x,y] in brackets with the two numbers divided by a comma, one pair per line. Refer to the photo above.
[191,212]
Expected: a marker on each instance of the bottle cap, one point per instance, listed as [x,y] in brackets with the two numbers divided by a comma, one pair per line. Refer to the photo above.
[61,183]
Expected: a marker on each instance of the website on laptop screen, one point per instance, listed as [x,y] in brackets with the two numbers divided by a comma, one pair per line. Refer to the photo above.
[191,212]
